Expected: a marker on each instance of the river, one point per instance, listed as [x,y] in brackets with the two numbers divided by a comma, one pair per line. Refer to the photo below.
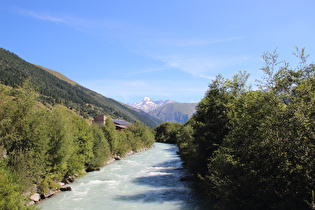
[146,180]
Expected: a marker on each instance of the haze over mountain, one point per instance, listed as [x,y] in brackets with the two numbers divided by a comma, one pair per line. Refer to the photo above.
[175,112]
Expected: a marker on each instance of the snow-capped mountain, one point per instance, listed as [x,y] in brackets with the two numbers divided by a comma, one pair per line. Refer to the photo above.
[147,104]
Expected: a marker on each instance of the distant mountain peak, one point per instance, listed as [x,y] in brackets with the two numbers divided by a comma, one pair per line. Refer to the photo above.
[147,104]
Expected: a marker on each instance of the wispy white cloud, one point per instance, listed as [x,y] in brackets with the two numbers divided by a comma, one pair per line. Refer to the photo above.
[200,66]
[187,42]
[129,33]
[72,21]
[41,16]
[151,43]
[149,70]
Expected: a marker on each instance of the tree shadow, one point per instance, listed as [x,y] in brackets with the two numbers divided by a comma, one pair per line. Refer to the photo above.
[170,164]
[172,149]
[166,186]
[165,174]
[186,199]
[164,180]
[159,196]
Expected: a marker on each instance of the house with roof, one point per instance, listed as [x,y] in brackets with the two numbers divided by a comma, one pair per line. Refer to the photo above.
[120,124]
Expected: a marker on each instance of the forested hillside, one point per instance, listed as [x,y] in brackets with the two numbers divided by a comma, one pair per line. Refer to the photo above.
[41,146]
[253,149]
[14,71]
[175,112]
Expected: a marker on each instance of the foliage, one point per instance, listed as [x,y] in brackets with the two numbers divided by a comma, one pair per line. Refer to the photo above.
[254,149]
[23,134]
[166,132]
[61,141]
[10,189]
[101,148]
[135,137]
[40,145]
[187,146]
[142,133]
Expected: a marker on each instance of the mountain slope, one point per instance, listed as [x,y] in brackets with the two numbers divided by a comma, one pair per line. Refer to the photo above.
[59,75]
[100,98]
[175,112]
[57,90]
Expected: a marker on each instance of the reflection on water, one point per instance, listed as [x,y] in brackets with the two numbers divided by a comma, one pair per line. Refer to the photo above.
[146,180]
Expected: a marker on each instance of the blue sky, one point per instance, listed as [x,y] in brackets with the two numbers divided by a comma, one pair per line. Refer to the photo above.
[129,49]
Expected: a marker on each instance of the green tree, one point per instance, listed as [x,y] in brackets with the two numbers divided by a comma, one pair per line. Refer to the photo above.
[255,149]
[24,134]
[186,145]
[267,159]
[101,148]
[211,122]
[10,189]
[166,132]
[110,134]
[83,141]
[61,140]
[143,135]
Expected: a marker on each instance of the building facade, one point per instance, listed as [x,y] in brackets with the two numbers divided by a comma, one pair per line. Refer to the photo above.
[100,120]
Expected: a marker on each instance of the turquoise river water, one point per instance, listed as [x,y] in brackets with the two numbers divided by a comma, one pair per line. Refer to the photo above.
[146,180]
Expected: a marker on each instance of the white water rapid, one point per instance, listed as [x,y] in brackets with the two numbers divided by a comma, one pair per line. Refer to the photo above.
[146,180]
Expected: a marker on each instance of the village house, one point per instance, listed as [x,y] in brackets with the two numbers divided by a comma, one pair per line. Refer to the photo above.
[100,120]
[120,124]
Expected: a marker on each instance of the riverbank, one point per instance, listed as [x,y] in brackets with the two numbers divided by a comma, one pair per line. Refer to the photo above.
[62,185]
[146,180]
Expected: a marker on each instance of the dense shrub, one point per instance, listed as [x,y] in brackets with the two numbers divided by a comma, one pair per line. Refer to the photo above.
[254,149]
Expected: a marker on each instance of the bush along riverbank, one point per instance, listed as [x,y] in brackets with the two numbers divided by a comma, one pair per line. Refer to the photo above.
[253,149]
[41,147]
[61,186]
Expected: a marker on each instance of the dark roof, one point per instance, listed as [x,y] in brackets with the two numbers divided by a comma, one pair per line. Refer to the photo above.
[121,122]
